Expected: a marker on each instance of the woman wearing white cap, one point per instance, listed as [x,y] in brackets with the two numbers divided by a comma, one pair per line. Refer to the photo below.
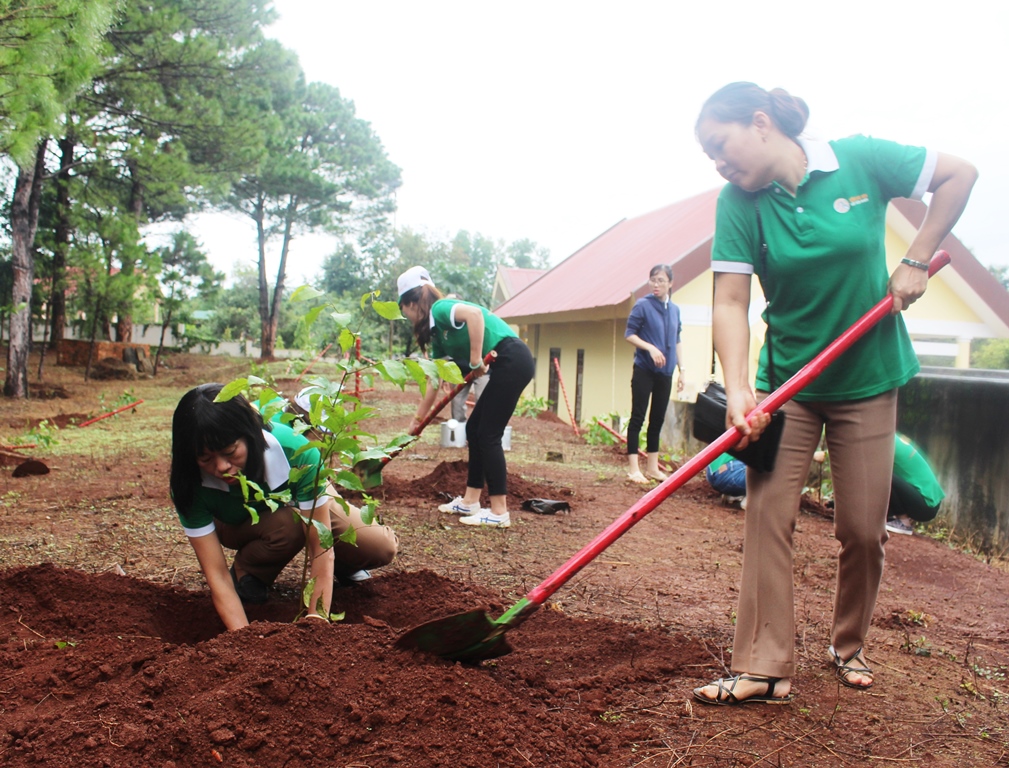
[464,331]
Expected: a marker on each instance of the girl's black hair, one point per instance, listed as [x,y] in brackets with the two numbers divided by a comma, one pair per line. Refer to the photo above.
[199,424]
[424,296]
[664,269]
[736,103]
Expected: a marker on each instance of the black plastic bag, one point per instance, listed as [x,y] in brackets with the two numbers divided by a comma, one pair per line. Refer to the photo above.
[545,506]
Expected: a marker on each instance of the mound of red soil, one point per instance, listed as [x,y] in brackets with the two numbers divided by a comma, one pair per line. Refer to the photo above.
[551,418]
[449,477]
[59,421]
[142,674]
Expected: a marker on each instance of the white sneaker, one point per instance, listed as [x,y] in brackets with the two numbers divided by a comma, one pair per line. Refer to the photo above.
[896,525]
[350,579]
[458,507]
[488,518]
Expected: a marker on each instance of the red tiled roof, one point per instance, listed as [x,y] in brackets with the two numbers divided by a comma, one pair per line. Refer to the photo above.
[614,266]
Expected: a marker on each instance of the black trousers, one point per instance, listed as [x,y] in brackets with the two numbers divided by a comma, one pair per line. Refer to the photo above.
[645,385]
[511,371]
[906,500]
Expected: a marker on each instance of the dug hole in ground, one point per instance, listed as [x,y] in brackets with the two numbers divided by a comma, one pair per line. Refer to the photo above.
[107,670]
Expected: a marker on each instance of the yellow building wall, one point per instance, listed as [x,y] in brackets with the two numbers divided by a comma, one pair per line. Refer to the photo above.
[609,359]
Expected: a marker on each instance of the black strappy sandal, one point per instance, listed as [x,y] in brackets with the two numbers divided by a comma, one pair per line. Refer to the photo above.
[845,667]
[726,698]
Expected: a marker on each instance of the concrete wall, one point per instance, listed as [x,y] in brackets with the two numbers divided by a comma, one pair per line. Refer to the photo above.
[959,419]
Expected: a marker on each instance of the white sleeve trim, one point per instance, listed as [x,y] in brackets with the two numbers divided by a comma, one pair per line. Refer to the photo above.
[452,319]
[925,177]
[734,267]
[199,533]
[320,500]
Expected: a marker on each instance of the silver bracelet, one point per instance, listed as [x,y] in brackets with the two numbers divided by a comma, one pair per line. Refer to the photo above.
[915,264]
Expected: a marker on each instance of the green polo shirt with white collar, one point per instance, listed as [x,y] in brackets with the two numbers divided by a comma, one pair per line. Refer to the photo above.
[216,500]
[450,337]
[826,262]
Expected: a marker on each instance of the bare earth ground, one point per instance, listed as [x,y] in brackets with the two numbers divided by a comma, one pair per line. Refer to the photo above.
[103,669]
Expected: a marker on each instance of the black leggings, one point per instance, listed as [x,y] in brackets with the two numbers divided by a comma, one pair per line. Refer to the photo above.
[511,371]
[645,384]
[906,500]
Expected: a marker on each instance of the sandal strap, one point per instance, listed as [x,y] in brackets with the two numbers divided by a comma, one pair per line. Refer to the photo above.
[730,696]
[846,667]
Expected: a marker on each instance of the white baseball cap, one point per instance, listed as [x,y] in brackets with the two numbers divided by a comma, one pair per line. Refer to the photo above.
[413,278]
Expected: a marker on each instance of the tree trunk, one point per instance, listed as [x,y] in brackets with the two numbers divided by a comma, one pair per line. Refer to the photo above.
[124,326]
[94,335]
[24,221]
[45,328]
[278,290]
[161,341]
[61,248]
[267,332]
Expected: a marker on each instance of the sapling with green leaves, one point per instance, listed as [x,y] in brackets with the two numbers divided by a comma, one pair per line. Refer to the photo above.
[334,422]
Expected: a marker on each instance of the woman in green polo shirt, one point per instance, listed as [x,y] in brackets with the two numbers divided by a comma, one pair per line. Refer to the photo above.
[211,444]
[468,332]
[820,209]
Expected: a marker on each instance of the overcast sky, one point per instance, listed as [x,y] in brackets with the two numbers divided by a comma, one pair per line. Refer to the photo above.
[552,120]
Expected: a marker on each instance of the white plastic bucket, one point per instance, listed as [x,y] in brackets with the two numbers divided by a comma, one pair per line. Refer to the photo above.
[453,434]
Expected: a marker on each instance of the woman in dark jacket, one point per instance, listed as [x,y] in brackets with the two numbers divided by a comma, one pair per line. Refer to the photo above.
[654,328]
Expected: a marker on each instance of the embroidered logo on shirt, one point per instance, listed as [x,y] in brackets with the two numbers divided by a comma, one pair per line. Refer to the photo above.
[843,204]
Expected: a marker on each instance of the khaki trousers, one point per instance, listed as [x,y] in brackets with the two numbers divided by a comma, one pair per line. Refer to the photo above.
[860,437]
[264,549]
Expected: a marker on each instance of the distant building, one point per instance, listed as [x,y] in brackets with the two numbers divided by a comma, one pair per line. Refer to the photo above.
[510,280]
[578,310]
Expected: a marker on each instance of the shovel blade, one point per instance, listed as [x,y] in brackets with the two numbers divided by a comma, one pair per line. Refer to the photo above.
[469,636]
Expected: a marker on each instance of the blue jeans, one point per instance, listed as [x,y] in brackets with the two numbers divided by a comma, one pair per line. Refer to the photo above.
[730,478]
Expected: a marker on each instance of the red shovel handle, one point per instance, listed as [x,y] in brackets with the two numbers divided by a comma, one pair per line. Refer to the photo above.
[445,401]
[448,398]
[729,438]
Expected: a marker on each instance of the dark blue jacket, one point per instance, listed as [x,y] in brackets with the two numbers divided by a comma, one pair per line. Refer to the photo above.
[657,324]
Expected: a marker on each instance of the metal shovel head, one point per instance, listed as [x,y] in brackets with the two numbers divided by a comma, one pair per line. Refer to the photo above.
[469,636]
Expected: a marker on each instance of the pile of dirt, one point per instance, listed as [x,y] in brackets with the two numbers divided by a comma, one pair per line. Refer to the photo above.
[142,674]
[60,421]
[551,418]
[43,391]
[103,671]
[448,480]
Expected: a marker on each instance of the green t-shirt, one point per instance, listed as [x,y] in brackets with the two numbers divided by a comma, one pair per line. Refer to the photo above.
[215,499]
[450,338]
[909,464]
[720,462]
[827,262]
